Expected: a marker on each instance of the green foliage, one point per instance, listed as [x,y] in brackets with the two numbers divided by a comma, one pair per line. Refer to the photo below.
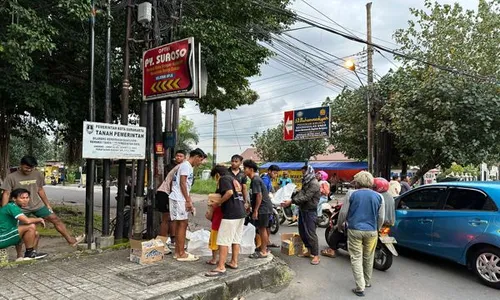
[29,142]
[203,187]
[73,218]
[186,135]
[271,147]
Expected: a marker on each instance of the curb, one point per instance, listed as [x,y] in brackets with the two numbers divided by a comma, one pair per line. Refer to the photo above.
[274,274]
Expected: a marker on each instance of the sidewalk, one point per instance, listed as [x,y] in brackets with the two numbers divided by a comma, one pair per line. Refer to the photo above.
[110,275]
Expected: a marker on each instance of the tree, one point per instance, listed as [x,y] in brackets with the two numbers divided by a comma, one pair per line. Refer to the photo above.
[187,135]
[271,147]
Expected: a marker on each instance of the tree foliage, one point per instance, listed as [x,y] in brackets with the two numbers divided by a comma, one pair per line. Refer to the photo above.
[271,147]
[186,135]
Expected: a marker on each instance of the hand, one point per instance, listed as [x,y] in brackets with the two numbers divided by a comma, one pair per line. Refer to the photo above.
[42,221]
[189,206]
[286,203]
[255,215]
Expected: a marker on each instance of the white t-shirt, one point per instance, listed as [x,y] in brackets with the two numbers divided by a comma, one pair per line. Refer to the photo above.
[184,170]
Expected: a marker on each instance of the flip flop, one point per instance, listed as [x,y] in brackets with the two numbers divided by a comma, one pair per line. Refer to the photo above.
[328,254]
[189,258]
[79,239]
[258,255]
[315,263]
[208,262]
[305,255]
[231,267]
[215,273]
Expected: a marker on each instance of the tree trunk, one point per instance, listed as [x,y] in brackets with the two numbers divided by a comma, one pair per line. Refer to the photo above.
[5,129]
[404,168]
[421,172]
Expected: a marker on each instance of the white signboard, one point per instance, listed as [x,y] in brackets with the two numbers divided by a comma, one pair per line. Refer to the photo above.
[111,141]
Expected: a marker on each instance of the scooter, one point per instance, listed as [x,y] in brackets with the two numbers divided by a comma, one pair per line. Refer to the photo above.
[326,212]
[384,251]
[285,213]
[274,222]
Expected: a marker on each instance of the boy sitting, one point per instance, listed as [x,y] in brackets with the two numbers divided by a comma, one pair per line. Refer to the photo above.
[12,233]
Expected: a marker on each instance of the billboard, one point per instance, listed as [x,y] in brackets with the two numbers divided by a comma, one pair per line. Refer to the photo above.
[112,141]
[307,124]
[169,71]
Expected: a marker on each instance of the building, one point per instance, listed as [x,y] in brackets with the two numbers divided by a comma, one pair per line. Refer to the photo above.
[251,153]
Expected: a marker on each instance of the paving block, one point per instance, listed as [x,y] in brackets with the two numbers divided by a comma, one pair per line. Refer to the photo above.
[104,241]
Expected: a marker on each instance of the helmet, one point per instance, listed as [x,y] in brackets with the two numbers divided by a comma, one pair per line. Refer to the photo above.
[322,174]
[380,185]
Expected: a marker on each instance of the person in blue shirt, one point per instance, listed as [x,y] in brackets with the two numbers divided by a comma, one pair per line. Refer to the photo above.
[283,181]
[272,173]
[363,212]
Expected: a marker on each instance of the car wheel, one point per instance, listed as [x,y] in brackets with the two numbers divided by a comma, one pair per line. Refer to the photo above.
[486,265]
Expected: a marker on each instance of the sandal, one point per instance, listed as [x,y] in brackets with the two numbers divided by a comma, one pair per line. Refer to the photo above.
[209,262]
[273,245]
[327,253]
[305,254]
[230,266]
[78,239]
[190,257]
[258,255]
[315,263]
[215,273]
[358,293]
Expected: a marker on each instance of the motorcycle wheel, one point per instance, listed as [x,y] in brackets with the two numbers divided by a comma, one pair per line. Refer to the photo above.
[275,224]
[282,216]
[383,259]
[324,220]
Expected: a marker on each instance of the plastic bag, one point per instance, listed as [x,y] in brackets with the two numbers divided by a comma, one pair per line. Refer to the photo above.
[284,194]
[198,243]
[248,240]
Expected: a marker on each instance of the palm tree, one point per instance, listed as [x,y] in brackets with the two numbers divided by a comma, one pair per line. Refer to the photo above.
[186,135]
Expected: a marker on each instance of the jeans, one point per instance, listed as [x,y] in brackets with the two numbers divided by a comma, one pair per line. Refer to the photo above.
[323,199]
[361,246]
[307,230]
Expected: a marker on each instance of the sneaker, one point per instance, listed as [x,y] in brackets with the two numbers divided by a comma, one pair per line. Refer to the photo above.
[168,251]
[34,255]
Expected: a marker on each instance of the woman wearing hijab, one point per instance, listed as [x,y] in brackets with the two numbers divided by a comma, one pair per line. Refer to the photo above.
[307,199]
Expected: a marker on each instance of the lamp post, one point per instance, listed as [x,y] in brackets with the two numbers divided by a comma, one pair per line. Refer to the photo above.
[351,65]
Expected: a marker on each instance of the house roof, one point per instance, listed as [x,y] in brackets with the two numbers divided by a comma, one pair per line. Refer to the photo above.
[251,153]
[331,155]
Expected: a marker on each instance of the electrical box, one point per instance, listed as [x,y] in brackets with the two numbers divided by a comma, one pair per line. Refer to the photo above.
[144,12]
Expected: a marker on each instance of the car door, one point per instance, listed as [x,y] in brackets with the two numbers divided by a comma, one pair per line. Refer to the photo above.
[415,216]
[464,218]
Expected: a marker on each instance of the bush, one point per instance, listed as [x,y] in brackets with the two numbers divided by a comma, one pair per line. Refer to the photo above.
[204,187]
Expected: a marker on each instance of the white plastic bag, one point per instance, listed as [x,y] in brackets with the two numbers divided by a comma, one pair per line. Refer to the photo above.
[198,243]
[284,194]
[247,246]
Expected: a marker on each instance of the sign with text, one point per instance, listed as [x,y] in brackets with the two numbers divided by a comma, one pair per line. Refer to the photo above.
[111,141]
[169,71]
[307,124]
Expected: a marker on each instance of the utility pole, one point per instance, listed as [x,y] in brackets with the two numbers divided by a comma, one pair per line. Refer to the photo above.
[89,192]
[370,135]
[168,128]
[106,194]
[214,154]
[122,173]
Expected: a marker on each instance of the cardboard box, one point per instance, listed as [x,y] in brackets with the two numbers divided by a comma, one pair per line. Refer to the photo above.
[147,252]
[291,244]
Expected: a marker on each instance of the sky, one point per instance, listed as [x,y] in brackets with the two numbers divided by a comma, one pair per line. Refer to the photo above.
[283,88]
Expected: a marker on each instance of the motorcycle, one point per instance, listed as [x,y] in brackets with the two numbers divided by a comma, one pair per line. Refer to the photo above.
[285,213]
[326,212]
[274,222]
[384,251]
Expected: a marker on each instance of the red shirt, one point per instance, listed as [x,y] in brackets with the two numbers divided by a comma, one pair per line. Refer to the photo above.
[216,218]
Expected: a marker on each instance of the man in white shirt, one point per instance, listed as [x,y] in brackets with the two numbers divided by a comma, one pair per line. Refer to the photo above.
[394,186]
[181,203]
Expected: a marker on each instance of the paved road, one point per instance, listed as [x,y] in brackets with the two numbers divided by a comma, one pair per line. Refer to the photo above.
[75,195]
[413,276]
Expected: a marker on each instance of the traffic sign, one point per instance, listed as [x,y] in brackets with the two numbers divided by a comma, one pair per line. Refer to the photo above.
[169,71]
[307,124]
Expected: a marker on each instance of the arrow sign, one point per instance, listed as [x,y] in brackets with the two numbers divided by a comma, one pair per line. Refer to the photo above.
[288,132]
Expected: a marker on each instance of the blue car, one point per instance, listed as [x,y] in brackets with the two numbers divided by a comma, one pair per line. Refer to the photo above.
[459,221]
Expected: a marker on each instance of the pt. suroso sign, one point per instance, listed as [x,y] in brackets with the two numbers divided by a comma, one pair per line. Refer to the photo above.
[169,71]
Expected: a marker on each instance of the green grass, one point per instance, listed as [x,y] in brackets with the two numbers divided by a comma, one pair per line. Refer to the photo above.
[203,187]
[73,218]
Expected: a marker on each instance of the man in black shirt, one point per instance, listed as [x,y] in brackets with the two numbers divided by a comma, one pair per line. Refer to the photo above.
[238,174]
[262,207]
[230,232]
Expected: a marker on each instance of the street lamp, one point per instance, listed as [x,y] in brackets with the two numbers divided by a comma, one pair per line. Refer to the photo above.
[351,65]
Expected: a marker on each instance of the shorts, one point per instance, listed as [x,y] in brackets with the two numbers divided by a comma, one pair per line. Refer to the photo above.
[10,238]
[230,232]
[178,210]
[212,243]
[262,220]
[42,212]
[162,202]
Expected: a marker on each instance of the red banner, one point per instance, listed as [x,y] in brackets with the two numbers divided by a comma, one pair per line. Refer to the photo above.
[168,70]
